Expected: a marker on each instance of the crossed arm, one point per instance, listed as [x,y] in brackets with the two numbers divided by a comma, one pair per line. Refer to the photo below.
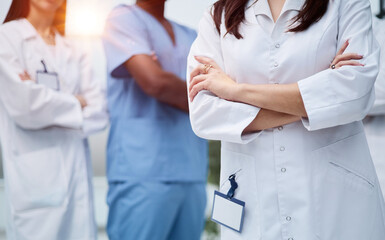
[280,104]
[154,81]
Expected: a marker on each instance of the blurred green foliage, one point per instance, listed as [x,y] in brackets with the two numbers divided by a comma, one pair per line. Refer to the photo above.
[214,162]
[211,228]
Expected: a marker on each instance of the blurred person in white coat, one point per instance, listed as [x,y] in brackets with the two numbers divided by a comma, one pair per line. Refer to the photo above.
[375,122]
[49,104]
[266,82]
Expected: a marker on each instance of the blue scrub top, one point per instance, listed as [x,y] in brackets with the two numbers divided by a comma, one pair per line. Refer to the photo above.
[148,140]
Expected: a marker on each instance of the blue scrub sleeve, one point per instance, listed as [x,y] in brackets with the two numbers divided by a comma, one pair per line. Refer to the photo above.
[124,36]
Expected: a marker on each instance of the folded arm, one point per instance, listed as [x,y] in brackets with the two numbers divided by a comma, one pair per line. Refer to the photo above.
[211,116]
[326,99]
[166,87]
[95,117]
[30,105]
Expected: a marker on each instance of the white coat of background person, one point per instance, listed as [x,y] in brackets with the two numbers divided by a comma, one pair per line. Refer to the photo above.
[289,122]
[47,167]
[375,122]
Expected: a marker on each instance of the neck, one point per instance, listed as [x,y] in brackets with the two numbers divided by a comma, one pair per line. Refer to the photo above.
[41,21]
[154,7]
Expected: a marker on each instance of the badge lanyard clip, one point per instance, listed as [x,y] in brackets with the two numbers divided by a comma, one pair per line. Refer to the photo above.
[234,186]
[45,66]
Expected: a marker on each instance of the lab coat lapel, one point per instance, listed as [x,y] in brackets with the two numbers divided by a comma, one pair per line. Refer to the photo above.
[32,44]
[262,7]
[292,5]
[48,57]
[39,46]
[63,60]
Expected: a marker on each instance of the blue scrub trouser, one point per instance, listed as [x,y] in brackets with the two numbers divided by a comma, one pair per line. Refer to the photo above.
[156,210]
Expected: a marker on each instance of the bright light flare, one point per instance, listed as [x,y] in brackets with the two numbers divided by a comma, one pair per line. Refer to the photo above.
[84,21]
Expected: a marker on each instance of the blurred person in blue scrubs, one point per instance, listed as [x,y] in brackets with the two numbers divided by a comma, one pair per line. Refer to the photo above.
[156,166]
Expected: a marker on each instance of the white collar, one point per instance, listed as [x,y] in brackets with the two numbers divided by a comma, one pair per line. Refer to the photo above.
[28,31]
[263,7]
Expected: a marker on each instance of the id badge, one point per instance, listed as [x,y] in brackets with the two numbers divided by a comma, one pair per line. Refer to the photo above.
[228,212]
[48,79]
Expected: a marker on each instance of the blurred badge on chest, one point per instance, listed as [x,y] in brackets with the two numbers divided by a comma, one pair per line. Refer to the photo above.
[228,211]
[48,79]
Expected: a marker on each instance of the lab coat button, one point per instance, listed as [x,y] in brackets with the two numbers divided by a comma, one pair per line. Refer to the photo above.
[290,239]
[283,170]
[277,45]
[276,64]
[282,149]
[288,218]
[280,128]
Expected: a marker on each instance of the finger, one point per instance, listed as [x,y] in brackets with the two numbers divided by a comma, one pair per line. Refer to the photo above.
[208,61]
[24,77]
[343,48]
[21,76]
[27,75]
[347,56]
[153,56]
[196,89]
[348,63]
[197,71]
[196,80]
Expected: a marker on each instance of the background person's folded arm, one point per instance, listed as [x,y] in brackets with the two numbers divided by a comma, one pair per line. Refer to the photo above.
[30,105]
[128,48]
[166,87]
[379,104]
[95,117]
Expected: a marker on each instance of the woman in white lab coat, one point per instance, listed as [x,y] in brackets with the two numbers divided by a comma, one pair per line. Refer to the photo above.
[49,104]
[375,122]
[263,81]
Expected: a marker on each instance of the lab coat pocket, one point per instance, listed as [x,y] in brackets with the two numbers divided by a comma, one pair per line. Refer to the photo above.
[243,166]
[346,198]
[37,180]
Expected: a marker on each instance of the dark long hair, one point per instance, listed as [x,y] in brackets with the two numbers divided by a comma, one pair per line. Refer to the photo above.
[311,12]
[20,9]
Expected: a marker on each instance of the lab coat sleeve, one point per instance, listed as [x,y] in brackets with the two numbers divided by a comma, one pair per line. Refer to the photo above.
[33,106]
[124,36]
[212,117]
[345,95]
[379,104]
[95,117]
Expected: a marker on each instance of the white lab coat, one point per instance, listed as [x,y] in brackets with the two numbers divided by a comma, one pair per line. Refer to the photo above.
[309,180]
[47,169]
[375,122]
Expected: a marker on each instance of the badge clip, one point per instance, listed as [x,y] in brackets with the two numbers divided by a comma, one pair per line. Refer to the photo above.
[234,186]
[45,66]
